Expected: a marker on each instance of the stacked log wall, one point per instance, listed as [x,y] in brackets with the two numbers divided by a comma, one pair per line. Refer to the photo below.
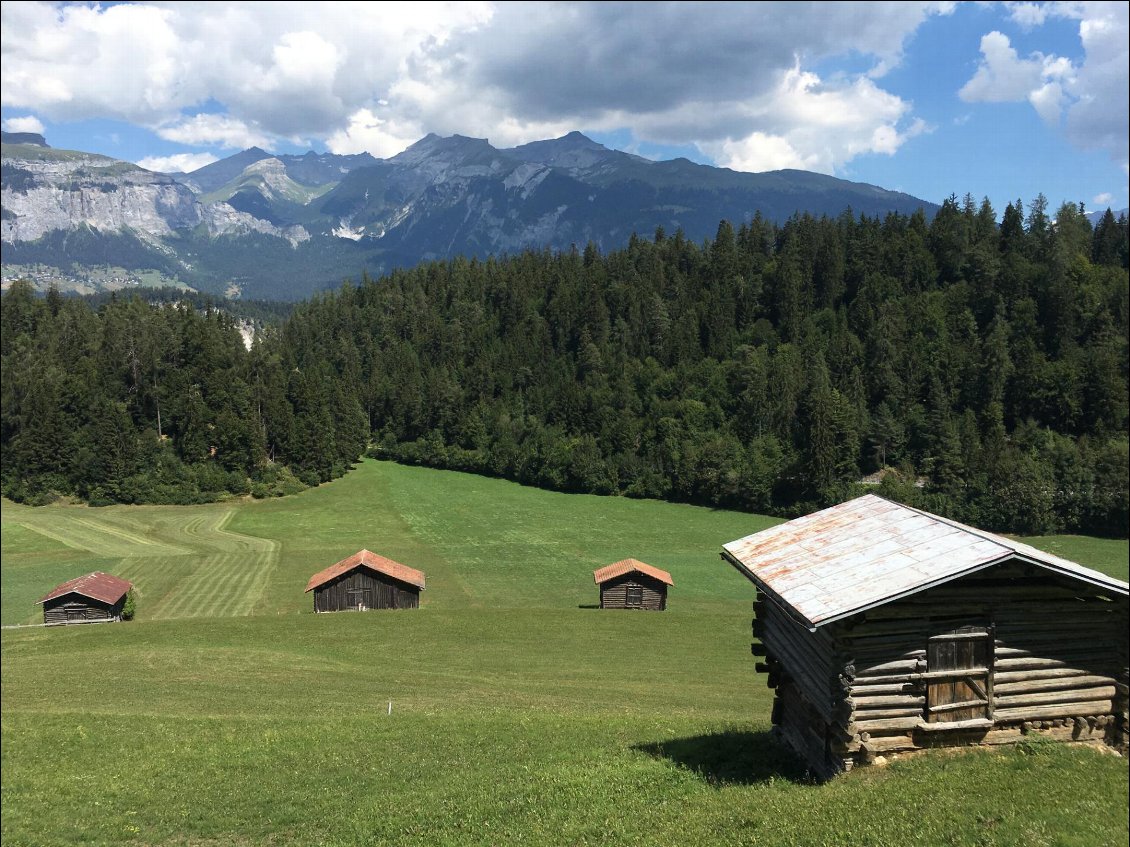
[1059,649]
[614,592]
[799,664]
[1058,667]
[67,608]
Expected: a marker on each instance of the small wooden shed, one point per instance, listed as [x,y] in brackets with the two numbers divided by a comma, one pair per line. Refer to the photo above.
[95,597]
[885,628]
[366,581]
[631,584]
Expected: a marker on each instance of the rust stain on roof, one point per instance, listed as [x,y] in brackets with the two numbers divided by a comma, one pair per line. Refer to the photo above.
[372,561]
[867,551]
[98,586]
[627,566]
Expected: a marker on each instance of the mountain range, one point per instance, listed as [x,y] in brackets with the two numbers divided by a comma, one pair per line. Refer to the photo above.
[270,226]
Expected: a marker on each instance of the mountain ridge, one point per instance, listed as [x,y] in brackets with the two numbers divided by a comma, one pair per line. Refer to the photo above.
[285,225]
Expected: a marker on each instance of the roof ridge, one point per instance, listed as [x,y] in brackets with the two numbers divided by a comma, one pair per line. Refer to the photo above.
[869,551]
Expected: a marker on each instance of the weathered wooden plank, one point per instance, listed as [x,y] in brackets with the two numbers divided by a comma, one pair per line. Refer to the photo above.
[1006,677]
[905,663]
[1019,663]
[908,699]
[887,712]
[885,725]
[859,690]
[1075,695]
[1051,683]
[1058,710]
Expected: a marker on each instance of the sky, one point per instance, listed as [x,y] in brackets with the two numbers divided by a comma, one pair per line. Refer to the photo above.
[997,100]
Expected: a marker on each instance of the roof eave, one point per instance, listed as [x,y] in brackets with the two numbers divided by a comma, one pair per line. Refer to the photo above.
[80,594]
[1098,580]
[777,599]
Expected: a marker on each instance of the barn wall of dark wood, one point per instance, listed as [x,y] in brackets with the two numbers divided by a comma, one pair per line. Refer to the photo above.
[1037,653]
[805,656]
[75,608]
[364,588]
[614,592]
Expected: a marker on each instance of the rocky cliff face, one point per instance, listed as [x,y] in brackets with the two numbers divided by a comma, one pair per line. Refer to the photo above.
[44,190]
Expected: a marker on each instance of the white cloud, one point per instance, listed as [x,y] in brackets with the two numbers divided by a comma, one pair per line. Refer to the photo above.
[1048,101]
[28,123]
[359,75]
[1102,199]
[760,152]
[1028,15]
[1003,77]
[1089,98]
[806,124]
[215,130]
[1099,116]
[177,162]
[367,133]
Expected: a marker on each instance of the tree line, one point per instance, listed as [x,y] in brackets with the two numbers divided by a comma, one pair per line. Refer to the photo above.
[972,367]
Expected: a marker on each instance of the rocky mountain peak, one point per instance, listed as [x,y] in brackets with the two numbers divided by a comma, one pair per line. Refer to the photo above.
[23,138]
[575,151]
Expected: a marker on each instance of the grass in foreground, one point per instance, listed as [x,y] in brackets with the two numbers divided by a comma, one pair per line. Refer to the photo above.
[518,715]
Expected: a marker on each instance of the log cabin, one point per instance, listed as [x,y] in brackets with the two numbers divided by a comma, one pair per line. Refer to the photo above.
[366,581]
[631,584]
[883,629]
[94,598]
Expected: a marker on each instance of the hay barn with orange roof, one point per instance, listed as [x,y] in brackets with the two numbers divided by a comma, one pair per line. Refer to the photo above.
[366,581]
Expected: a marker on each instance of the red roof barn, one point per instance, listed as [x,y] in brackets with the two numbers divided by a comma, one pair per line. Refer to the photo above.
[94,597]
[366,581]
[631,584]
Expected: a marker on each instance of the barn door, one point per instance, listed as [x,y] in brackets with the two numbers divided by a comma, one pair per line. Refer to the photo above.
[75,613]
[634,597]
[359,598]
[959,676]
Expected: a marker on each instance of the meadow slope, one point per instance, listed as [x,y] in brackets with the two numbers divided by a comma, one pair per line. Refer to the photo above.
[228,713]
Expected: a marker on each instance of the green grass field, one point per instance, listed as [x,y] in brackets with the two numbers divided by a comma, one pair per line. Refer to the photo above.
[228,713]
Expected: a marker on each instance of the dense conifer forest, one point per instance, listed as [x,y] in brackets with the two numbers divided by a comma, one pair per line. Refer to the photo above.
[973,367]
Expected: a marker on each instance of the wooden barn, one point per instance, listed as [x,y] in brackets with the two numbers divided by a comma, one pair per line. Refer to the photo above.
[366,581]
[885,629]
[96,597]
[629,584]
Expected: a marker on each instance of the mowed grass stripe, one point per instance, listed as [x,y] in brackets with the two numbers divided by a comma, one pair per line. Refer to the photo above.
[92,537]
[224,576]
[260,575]
[236,588]
[218,588]
[208,586]
[244,542]
[184,594]
[110,528]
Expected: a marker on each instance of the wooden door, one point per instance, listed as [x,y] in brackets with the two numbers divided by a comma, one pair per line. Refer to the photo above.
[959,677]
[359,599]
[634,596]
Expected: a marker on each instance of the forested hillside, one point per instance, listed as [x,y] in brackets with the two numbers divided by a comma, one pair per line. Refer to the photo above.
[769,370]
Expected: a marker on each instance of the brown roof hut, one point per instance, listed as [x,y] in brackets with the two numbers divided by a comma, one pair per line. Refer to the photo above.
[630,584]
[95,598]
[885,628]
[366,581]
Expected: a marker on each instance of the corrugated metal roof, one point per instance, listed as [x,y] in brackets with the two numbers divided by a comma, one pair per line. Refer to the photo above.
[372,561]
[869,551]
[98,586]
[627,566]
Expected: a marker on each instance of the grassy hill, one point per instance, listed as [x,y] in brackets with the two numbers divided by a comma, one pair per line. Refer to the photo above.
[228,713]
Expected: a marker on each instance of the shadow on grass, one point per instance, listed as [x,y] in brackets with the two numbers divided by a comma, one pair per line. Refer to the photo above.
[732,758]
[589,606]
